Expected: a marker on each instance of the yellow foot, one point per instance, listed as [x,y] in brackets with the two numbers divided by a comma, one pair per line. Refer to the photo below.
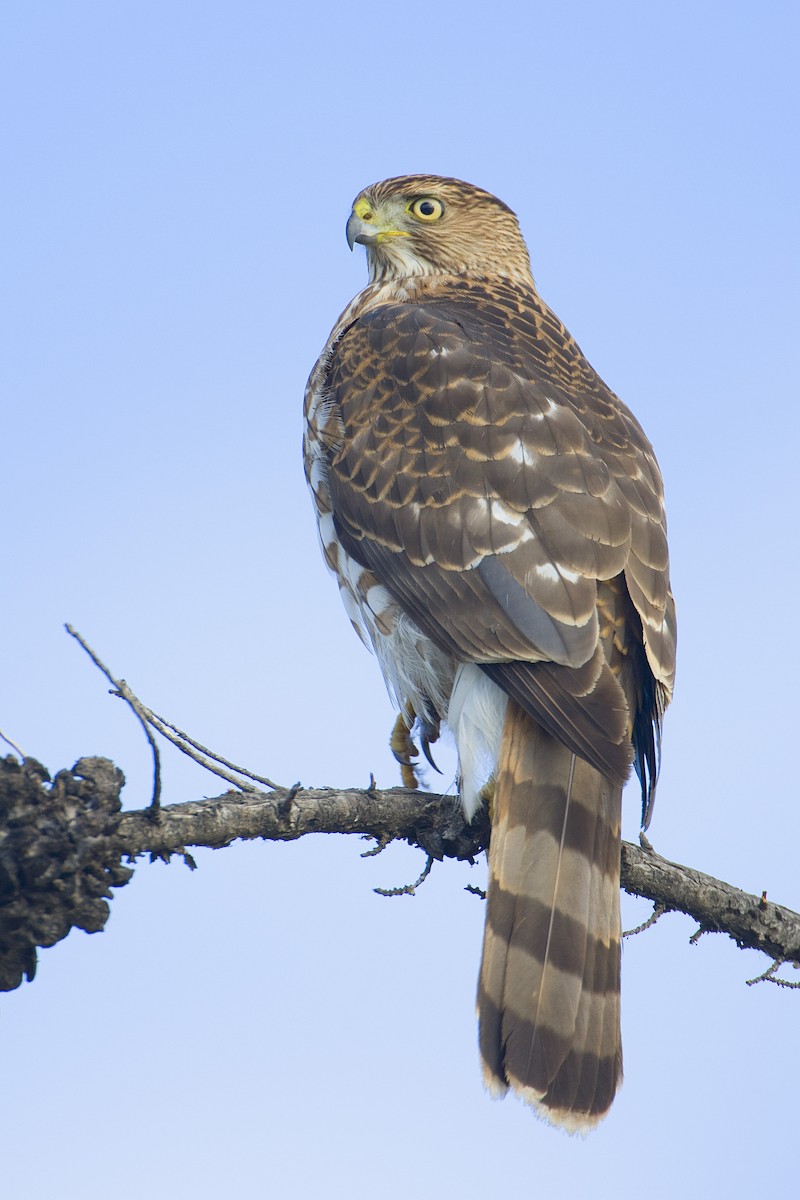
[403,747]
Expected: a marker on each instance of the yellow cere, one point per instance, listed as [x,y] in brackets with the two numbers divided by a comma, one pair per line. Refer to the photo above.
[363,209]
[366,212]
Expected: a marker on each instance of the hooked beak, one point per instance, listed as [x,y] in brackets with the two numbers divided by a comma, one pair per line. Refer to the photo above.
[365,230]
[359,231]
[353,229]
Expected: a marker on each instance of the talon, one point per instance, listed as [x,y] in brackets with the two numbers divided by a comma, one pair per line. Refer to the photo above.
[426,750]
[403,748]
[428,733]
[400,742]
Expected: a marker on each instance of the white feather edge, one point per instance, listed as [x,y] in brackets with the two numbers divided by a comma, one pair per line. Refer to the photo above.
[564,1119]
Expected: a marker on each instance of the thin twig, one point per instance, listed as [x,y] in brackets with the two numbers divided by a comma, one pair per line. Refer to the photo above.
[211,764]
[127,695]
[212,754]
[658,911]
[13,746]
[410,888]
[285,804]
[379,848]
[208,759]
[475,891]
[768,976]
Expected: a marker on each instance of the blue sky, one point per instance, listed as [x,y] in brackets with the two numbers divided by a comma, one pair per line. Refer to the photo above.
[176,181]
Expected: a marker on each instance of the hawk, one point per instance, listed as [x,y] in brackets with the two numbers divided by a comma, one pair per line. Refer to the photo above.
[494,516]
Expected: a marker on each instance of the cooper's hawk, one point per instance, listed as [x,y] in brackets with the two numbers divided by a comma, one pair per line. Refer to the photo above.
[494,516]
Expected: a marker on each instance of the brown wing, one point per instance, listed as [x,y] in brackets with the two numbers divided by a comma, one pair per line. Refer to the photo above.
[489,479]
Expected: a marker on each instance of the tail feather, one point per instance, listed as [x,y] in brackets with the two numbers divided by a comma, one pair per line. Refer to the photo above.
[548,997]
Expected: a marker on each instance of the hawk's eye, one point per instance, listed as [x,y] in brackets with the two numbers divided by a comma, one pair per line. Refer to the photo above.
[426,208]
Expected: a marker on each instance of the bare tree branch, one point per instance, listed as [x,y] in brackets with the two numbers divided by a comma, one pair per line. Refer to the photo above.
[435,824]
[46,858]
[62,843]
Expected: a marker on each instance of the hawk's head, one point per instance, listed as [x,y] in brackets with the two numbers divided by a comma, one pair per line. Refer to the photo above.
[426,224]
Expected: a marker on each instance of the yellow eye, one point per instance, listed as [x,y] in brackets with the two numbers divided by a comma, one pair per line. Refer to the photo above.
[426,208]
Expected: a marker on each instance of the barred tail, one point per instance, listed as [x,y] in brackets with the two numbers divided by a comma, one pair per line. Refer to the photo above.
[549,992]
